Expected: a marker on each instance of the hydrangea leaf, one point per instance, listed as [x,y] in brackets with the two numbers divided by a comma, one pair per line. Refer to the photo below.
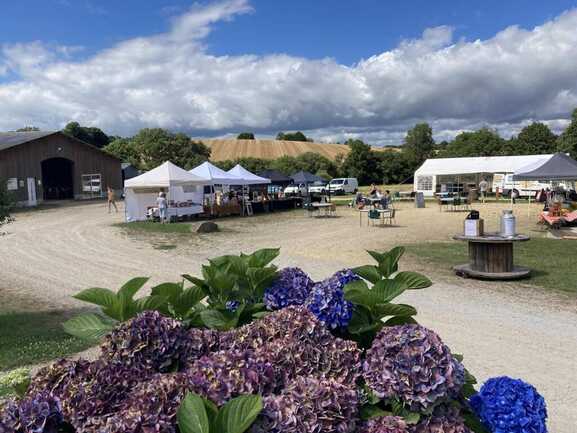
[413,280]
[368,272]
[103,297]
[237,415]
[263,257]
[87,326]
[192,416]
[389,309]
[369,411]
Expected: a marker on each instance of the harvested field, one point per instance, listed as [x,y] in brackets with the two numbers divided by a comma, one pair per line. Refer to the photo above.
[223,149]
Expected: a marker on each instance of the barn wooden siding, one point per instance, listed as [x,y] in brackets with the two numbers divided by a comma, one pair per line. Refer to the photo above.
[24,161]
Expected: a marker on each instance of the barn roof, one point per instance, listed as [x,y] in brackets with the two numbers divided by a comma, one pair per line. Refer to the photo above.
[11,139]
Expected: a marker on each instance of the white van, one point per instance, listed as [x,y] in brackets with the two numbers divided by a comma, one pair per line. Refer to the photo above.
[344,185]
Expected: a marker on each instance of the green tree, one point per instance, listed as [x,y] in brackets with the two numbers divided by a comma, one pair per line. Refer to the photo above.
[245,136]
[90,135]
[6,203]
[28,129]
[314,162]
[534,139]
[362,163]
[156,146]
[396,167]
[568,139]
[125,150]
[286,164]
[484,142]
[419,143]
[292,136]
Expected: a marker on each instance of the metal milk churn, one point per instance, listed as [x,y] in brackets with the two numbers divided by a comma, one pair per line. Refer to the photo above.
[508,224]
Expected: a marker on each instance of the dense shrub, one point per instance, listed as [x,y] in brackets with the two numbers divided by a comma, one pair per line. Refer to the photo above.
[291,287]
[385,424]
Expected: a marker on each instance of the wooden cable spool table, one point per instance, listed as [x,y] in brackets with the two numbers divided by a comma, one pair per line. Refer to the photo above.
[491,257]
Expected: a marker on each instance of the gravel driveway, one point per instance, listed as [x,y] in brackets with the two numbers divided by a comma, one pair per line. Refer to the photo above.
[48,255]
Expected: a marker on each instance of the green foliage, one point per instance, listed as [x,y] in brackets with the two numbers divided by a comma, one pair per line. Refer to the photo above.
[534,139]
[90,135]
[568,139]
[373,308]
[361,162]
[28,129]
[484,142]
[245,136]
[116,307]
[292,136]
[6,204]
[154,146]
[181,303]
[235,287]
[198,415]
[18,380]
[419,143]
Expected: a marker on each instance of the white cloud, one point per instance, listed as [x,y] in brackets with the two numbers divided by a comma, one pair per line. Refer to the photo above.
[171,80]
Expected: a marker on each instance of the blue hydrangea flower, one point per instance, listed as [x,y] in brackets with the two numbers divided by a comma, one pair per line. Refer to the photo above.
[345,276]
[291,287]
[327,301]
[232,306]
[508,405]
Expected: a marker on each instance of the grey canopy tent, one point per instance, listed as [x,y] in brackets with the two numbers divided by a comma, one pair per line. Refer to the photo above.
[558,167]
[276,177]
[306,177]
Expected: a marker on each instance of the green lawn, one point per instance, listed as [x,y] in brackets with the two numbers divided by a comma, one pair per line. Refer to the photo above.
[552,261]
[32,337]
[155,227]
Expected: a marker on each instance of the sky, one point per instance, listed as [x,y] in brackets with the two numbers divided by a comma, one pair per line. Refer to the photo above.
[335,69]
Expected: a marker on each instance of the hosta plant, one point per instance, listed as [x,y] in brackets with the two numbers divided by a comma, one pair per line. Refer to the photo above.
[198,415]
[372,295]
[115,307]
[235,287]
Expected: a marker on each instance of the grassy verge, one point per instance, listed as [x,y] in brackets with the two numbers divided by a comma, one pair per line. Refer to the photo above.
[32,337]
[154,227]
[552,261]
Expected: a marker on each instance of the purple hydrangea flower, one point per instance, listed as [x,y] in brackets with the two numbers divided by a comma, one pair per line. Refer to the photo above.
[223,375]
[310,405]
[291,287]
[8,416]
[291,322]
[508,405]
[385,424]
[327,302]
[411,363]
[345,276]
[40,413]
[149,342]
[444,419]
[151,406]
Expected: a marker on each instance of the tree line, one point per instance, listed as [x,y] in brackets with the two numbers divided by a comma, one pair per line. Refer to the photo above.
[150,147]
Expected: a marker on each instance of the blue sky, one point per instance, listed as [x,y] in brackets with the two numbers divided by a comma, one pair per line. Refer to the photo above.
[347,30]
[336,69]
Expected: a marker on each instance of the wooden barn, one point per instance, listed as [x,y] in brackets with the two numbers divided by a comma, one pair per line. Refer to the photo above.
[39,166]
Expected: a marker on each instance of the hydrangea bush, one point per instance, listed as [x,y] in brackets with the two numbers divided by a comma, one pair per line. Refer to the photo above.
[336,356]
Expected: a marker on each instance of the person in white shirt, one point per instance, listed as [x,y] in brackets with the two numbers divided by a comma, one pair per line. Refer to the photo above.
[483,187]
[162,206]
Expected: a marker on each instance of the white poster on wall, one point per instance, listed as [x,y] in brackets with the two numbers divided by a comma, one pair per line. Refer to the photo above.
[12,184]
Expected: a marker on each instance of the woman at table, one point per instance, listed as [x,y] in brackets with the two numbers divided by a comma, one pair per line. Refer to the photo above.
[373,190]
[162,206]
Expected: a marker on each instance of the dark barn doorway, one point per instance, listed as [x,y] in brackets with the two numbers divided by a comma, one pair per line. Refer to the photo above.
[58,179]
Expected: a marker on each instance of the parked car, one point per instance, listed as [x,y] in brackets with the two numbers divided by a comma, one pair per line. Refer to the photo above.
[318,188]
[344,185]
[296,189]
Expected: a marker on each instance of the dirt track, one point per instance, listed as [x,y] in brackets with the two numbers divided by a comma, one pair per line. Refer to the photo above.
[502,329]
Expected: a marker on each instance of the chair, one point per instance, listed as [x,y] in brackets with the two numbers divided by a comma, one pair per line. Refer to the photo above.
[374,215]
[333,210]
[389,215]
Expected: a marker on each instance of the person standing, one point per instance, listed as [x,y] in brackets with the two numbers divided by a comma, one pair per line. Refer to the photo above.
[483,187]
[111,199]
[162,206]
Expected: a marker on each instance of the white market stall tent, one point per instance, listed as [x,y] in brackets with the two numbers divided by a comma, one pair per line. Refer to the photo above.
[248,177]
[455,173]
[215,175]
[184,192]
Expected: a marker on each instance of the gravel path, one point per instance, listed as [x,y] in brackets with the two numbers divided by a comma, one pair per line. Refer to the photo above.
[502,329]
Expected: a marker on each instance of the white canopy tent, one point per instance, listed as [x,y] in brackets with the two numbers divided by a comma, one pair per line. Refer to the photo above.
[142,191]
[248,177]
[215,175]
[427,176]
